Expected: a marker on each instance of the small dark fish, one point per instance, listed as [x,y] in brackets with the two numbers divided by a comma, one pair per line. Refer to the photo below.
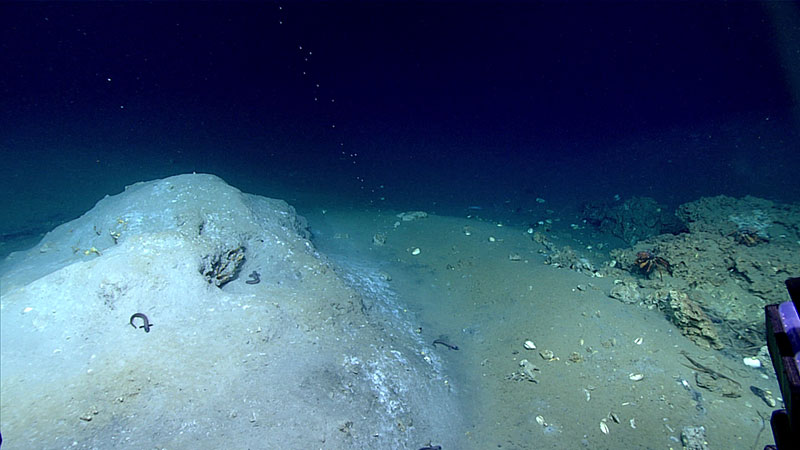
[255,278]
[144,318]
[442,342]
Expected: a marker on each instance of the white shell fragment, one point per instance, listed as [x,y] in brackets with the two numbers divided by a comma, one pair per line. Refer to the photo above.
[412,215]
[529,345]
[752,362]
[636,376]
[637,341]
[416,251]
[603,427]
[540,420]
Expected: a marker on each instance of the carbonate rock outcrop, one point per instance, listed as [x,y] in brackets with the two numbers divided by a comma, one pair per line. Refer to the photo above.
[634,219]
[687,316]
[727,276]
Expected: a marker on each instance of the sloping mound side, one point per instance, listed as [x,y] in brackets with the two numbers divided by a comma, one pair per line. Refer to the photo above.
[289,361]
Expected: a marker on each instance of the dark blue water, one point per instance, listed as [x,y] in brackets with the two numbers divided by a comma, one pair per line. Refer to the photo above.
[433,106]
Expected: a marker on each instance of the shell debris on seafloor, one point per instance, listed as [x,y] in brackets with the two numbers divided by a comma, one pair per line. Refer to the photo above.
[752,362]
[636,376]
[529,345]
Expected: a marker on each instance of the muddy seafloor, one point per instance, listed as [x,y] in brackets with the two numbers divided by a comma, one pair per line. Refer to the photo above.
[624,357]
[609,370]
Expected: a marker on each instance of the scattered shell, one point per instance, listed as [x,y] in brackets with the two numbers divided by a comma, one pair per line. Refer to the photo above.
[379,239]
[416,251]
[637,341]
[588,394]
[492,239]
[528,370]
[603,427]
[412,215]
[613,417]
[515,257]
[633,423]
[92,250]
[540,420]
[89,415]
[547,354]
[527,364]
[636,376]
[752,362]
[529,345]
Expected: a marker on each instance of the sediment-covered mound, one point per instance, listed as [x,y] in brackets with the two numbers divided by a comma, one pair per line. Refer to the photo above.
[256,341]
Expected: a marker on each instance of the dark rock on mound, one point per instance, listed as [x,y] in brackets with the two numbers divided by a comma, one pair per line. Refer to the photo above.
[634,219]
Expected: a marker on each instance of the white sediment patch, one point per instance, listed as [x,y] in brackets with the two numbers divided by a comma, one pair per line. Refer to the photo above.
[290,361]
